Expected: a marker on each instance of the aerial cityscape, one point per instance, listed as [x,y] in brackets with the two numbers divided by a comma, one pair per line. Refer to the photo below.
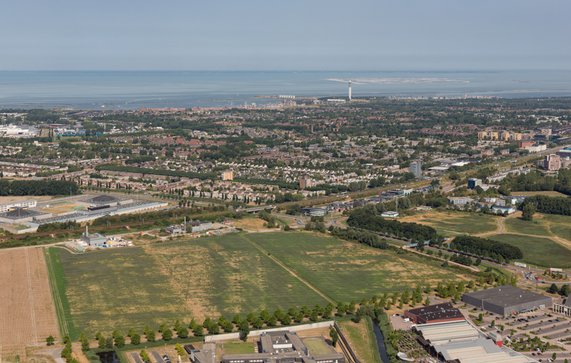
[300,182]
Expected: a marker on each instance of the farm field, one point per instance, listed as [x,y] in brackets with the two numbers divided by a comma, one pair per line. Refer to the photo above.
[109,289]
[224,275]
[347,271]
[27,315]
[538,251]
[450,223]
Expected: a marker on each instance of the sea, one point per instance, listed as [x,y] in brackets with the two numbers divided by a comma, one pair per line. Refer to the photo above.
[118,90]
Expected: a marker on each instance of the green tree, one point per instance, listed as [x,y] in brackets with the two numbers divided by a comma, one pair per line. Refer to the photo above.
[145,356]
[553,289]
[167,334]
[528,211]
[84,342]
[50,340]
[135,339]
[334,336]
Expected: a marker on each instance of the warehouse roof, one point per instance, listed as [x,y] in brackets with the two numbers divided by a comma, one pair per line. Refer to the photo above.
[461,342]
[506,295]
[437,312]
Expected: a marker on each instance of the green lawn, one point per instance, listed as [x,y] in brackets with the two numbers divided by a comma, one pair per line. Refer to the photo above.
[534,227]
[560,225]
[317,346]
[362,340]
[538,251]
[348,271]
[237,347]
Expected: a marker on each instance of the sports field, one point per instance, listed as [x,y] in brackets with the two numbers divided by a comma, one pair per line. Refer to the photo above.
[538,251]
[238,273]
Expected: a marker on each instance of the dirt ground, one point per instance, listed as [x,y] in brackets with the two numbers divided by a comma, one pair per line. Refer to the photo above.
[251,224]
[27,314]
[6,200]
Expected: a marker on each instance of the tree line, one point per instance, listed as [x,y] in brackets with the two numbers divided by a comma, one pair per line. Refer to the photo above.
[364,218]
[498,251]
[365,237]
[535,181]
[548,205]
[37,187]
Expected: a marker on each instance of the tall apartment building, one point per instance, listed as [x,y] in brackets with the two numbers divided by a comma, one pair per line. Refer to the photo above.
[552,162]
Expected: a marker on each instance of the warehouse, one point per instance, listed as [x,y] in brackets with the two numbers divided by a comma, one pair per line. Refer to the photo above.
[507,300]
[434,314]
[460,342]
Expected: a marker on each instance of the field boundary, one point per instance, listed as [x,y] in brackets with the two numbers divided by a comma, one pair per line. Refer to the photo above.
[291,271]
[57,285]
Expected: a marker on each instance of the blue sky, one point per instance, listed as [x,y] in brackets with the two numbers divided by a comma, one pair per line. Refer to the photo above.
[284,35]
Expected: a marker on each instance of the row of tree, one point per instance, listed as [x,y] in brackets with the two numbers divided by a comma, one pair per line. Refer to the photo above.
[365,237]
[486,248]
[37,187]
[548,205]
[535,181]
[363,218]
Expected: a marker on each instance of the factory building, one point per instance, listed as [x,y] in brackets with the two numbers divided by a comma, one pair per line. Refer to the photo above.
[507,300]
[434,314]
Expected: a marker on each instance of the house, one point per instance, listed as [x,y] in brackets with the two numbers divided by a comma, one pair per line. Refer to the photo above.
[499,209]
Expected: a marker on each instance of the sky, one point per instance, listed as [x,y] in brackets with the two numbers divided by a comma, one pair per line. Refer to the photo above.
[285,34]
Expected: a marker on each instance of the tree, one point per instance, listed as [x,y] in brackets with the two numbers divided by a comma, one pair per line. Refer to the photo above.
[50,340]
[334,336]
[244,329]
[528,211]
[135,339]
[84,342]
[427,301]
[118,339]
[145,356]
[150,334]
[167,334]
[553,289]
[101,341]
[565,290]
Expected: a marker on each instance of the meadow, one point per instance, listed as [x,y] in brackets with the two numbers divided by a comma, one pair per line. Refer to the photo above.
[451,223]
[239,273]
[538,251]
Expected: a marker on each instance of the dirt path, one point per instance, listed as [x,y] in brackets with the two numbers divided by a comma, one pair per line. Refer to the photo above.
[501,228]
[290,271]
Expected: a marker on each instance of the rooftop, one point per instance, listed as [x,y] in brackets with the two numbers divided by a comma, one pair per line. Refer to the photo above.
[437,312]
[18,213]
[506,295]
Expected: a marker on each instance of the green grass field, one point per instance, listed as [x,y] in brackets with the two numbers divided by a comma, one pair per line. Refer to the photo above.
[362,339]
[133,287]
[559,225]
[518,225]
[111,289]
[347,271]
[538,251]
[450,223]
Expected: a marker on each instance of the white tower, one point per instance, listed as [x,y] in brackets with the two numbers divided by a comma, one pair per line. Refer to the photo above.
[350,91]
